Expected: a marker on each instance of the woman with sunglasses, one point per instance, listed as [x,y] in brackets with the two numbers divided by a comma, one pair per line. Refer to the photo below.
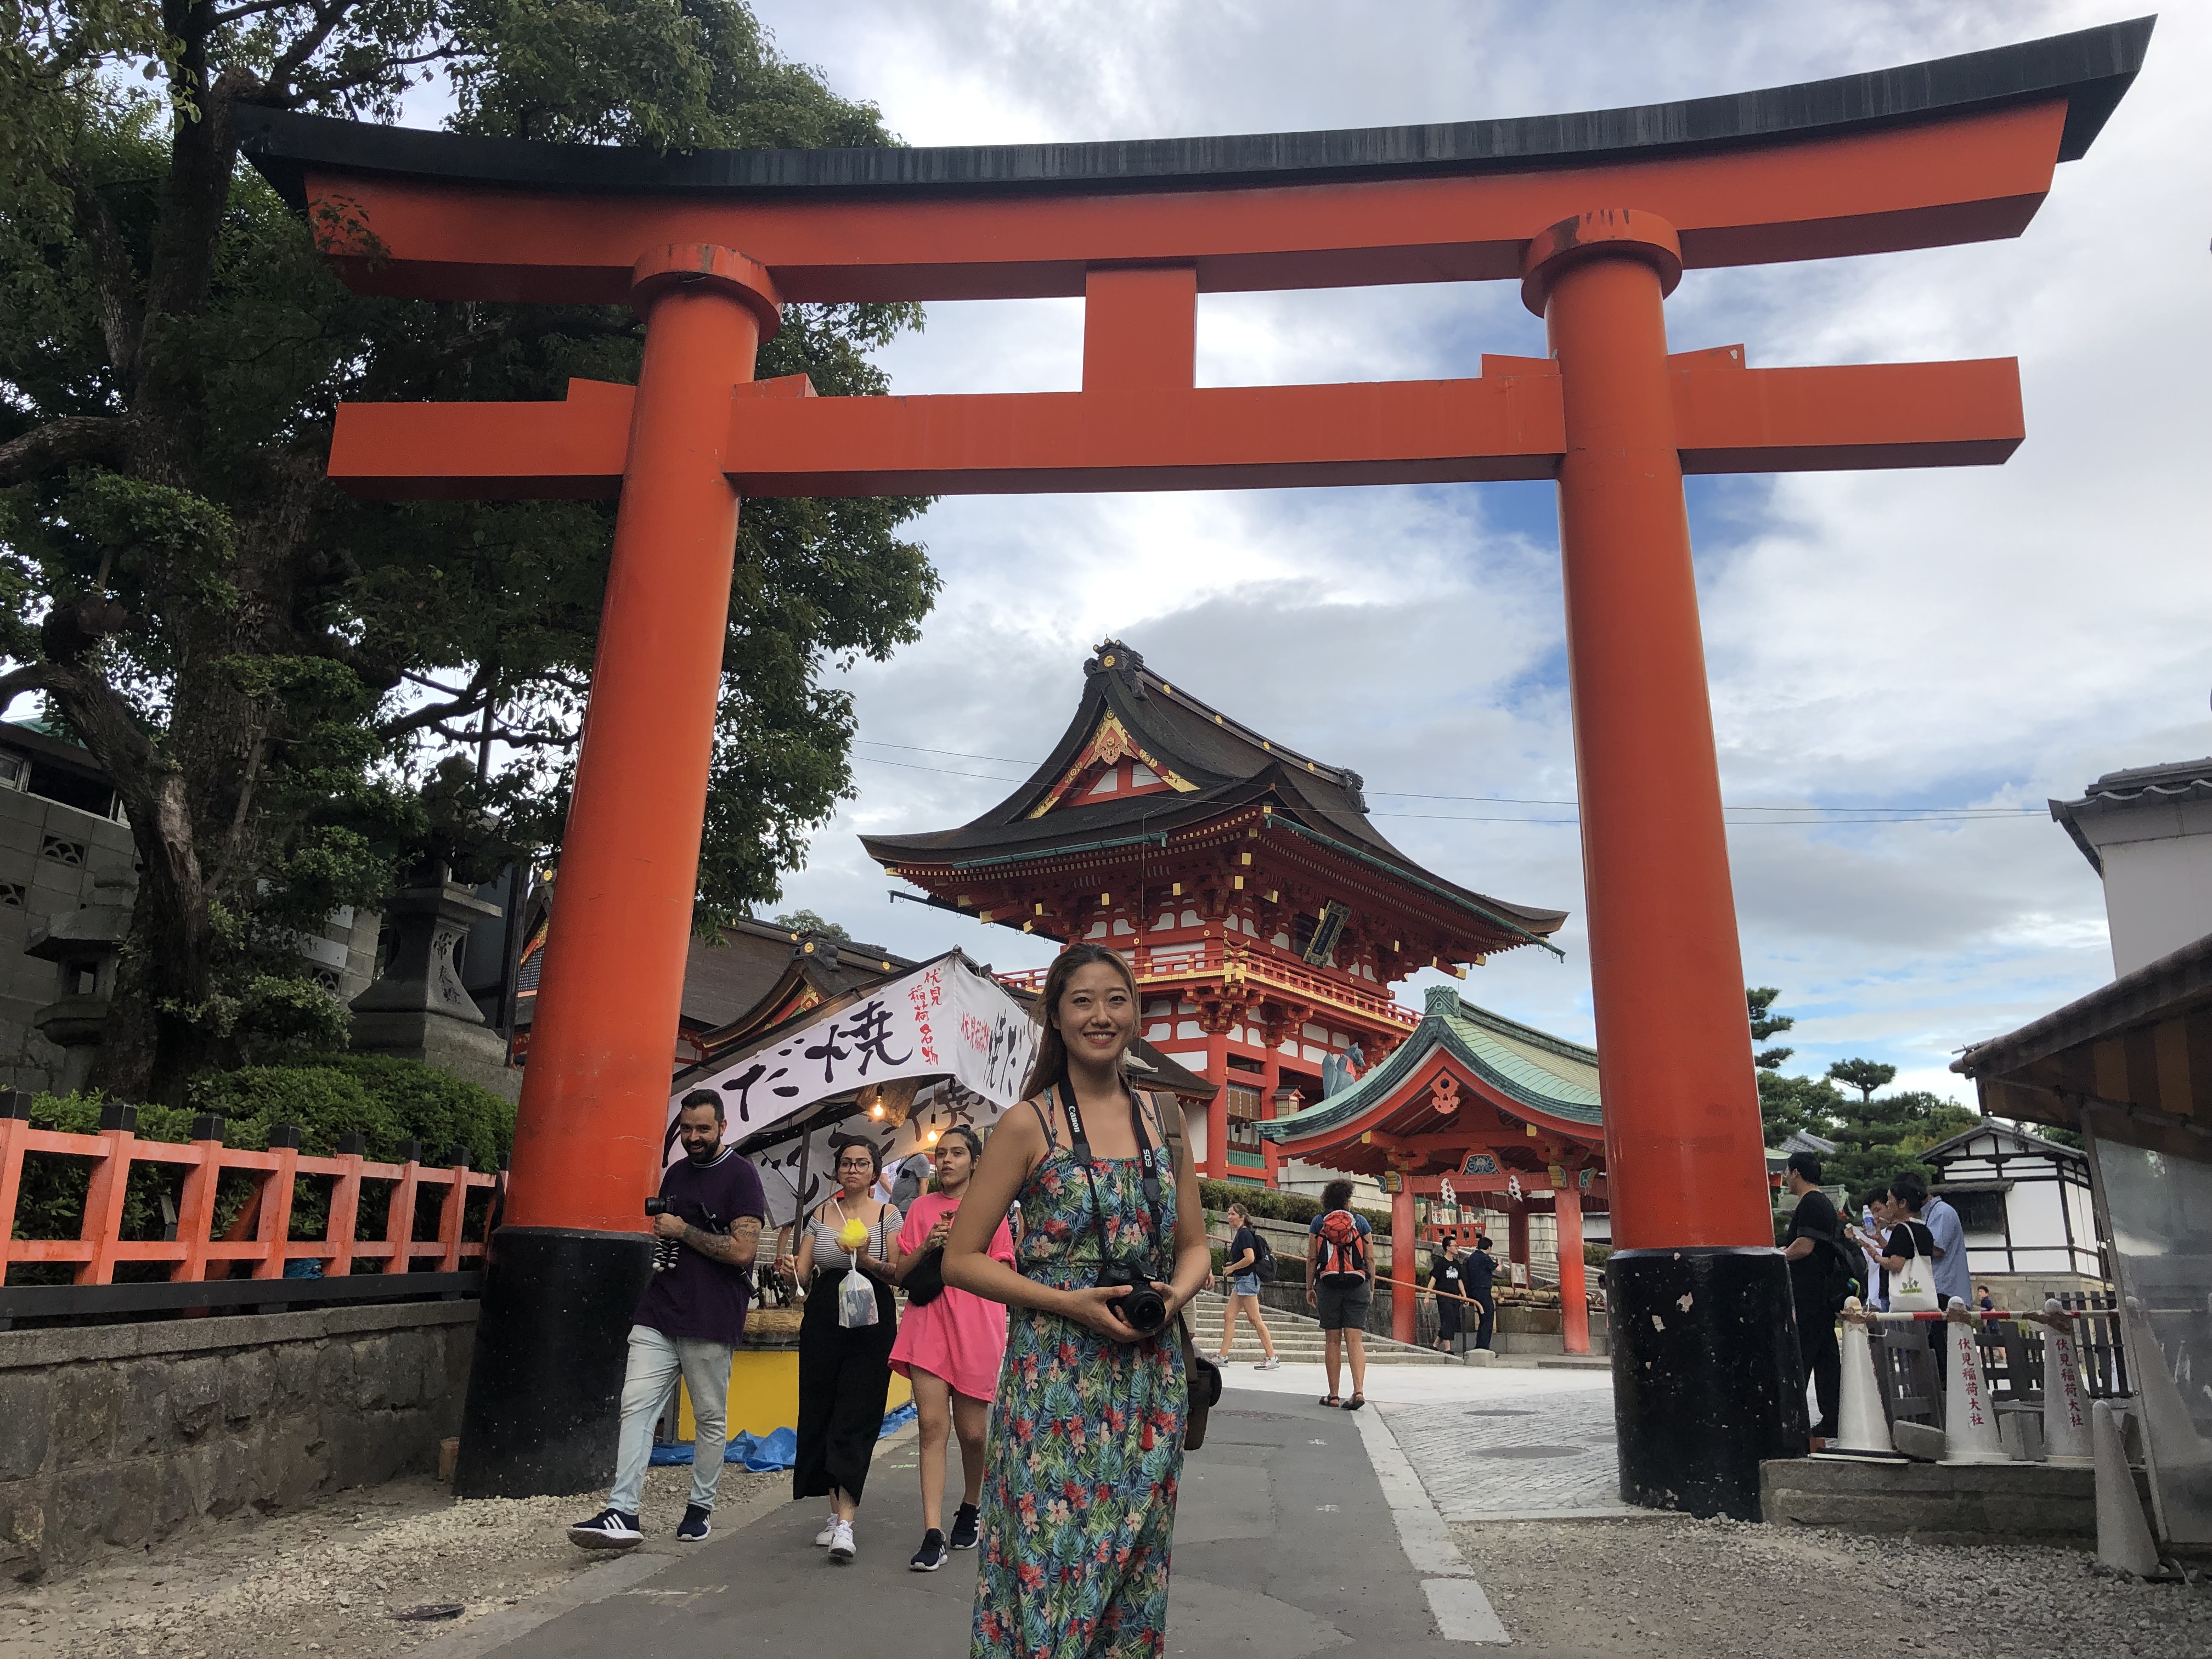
[949,1347]
[844,1372]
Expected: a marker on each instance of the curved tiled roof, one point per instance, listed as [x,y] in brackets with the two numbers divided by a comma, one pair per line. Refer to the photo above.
[2175,783]
[1524,1066]
[1227,764]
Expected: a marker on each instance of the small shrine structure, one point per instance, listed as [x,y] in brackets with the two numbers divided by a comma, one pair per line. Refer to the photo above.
[1266,917]
[1492,1107]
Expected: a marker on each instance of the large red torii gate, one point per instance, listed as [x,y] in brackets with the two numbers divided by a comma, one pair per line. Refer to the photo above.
[1595,215]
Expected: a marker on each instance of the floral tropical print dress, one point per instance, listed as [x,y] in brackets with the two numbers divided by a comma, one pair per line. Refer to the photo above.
[1086,1438]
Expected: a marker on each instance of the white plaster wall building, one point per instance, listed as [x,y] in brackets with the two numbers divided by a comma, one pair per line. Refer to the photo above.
[2144,832]
[2027,1208]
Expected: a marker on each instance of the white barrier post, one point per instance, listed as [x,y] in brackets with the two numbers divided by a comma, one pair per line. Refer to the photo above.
[1970,1421]
[2123,1540]
[1863,1427]
[2065,1403]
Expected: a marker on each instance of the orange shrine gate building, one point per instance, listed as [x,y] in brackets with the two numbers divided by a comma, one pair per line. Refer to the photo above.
[1266,918]
[1474,1109]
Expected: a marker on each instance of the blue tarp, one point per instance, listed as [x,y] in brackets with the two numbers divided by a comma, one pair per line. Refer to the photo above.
[777,1449]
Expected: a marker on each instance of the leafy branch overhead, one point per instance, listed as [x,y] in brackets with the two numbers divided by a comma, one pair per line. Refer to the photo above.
[290,688]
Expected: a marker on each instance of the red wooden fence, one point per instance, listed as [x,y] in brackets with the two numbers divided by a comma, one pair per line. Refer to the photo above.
[97,1249]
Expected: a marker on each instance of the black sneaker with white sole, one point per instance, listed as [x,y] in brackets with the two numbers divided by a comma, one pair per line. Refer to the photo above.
[609,1529]
[696,1526]
[933,1554]
[966,1529]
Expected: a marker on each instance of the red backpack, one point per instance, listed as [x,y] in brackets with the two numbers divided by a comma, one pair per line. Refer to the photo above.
[1343,1246]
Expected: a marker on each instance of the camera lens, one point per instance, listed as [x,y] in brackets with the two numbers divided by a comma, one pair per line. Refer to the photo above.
[1145,1308]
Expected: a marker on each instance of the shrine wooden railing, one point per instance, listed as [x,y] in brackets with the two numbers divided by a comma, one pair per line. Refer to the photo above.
[1169,963]
[202,1267]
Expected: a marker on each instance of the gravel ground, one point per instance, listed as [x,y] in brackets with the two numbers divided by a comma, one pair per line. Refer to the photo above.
[1677,1589]
[329,1579]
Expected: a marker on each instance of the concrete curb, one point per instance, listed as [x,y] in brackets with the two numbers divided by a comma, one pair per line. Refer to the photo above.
[1457,1601]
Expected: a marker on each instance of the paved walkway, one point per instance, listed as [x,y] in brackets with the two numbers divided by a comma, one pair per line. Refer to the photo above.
[1517,1456]
[1302,1530]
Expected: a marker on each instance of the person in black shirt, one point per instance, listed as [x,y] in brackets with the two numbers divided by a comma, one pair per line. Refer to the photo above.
[1814,1233]
[1446,1281]
[1478,1271]
[688,1322]
[1240,1266]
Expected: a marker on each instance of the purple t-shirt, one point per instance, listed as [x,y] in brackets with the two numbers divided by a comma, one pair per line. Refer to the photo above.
[700,1297]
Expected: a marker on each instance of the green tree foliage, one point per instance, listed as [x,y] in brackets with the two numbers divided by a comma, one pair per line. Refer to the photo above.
[1864,1075]
[810,921]
[1765,1024]
[271,672]
[1878,1138]
[1790,1104]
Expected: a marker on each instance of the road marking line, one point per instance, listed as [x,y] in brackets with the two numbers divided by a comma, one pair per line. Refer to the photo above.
[1462,1611]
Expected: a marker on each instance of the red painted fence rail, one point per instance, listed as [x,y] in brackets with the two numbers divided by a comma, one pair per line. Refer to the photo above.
[97,1248]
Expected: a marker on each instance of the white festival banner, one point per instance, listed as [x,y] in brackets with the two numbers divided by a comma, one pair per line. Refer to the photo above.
[947,1022]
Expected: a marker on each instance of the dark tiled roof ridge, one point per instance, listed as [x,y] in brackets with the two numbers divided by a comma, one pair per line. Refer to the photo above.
[2132,783]
[1112,654]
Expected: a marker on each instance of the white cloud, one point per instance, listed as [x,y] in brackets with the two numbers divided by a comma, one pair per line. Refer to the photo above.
[1969,637]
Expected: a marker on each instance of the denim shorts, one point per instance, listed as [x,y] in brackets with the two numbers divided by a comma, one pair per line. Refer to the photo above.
[1244,1285]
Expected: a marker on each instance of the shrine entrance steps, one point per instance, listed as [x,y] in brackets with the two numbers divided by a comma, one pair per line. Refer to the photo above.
[1298,1338]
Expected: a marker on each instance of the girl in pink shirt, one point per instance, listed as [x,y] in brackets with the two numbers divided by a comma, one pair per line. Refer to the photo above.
[950,1349]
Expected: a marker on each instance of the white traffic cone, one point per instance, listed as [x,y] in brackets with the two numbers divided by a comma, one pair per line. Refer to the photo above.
[2123,1538]
[1970,1419]
[1863,1426]
[2065,1402]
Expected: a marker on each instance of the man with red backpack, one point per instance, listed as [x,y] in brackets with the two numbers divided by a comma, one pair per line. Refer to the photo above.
[1339,1287]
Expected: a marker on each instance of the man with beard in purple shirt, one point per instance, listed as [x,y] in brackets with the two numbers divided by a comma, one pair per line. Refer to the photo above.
[690,1317]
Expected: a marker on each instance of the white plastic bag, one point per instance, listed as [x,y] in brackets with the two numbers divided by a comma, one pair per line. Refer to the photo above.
[856,1299]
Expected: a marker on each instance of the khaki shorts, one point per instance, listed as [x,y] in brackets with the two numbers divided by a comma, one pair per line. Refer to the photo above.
[1343,1302]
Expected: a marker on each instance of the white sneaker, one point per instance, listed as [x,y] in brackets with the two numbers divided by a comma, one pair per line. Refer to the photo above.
[841,1542]
[1270,1364]
[828,1535]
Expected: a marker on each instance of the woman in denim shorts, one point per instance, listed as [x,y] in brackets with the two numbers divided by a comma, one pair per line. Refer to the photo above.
[1240,1266]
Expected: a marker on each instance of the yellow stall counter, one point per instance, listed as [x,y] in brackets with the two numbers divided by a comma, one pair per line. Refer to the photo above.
[764,1393]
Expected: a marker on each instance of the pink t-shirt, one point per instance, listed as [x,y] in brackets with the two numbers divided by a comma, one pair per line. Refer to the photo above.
[960,1336]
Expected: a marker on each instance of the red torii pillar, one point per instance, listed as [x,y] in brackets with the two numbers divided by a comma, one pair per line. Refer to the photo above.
[628,874]
[1694,1240]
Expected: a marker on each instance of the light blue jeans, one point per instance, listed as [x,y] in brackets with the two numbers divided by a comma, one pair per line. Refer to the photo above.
[654,1361]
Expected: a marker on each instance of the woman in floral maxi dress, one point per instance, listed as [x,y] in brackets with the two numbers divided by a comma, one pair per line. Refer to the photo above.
[1085,1448]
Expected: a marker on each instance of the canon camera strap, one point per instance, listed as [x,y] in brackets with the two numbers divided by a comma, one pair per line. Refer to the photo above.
[1079,1143]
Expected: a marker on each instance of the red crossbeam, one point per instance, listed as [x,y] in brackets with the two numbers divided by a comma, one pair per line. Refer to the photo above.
[1507,424]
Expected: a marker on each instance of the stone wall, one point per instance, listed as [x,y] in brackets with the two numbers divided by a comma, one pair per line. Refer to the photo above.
[115,1436]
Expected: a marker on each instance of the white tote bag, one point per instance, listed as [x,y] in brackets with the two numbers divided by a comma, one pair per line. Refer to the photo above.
[1912,1290]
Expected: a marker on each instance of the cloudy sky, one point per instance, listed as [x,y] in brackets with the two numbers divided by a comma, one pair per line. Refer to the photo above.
[1970,639]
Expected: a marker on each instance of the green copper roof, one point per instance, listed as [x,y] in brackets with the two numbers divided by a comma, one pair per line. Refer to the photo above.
[1525,1065]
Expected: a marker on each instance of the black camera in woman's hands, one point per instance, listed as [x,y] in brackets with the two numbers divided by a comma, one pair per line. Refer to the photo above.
[1143,1308]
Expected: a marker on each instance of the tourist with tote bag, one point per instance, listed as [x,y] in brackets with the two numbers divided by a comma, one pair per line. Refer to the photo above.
[845,1262]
